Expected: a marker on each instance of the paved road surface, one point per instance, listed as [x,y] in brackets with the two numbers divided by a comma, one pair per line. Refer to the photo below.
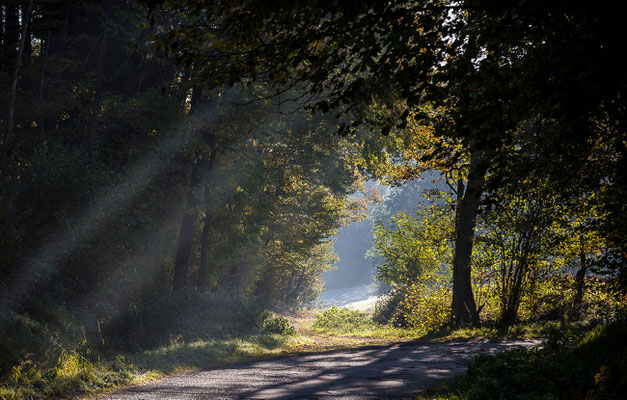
[396,371]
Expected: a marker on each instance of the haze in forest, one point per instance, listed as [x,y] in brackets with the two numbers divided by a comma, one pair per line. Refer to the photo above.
[187,184]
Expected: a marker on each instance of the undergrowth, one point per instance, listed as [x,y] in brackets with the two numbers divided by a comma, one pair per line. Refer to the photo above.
[165,334]
[580,361]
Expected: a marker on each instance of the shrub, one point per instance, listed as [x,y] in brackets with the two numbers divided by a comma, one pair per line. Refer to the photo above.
[342,319]
[269,324]
[22,337]
[427,307]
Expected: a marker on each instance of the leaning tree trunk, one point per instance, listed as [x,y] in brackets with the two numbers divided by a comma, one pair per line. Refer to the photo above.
[464,309]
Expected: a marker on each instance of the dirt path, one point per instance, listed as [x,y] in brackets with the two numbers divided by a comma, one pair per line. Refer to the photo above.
[395,371]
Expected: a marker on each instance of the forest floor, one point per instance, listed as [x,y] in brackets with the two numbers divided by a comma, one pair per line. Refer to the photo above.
[332,359]
[369,362]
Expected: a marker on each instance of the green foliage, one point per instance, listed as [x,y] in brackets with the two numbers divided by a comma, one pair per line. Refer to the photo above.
[341,319]
[271,324]
[416,252]
[416,245]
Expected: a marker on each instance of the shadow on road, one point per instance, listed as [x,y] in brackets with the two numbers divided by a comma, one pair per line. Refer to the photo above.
[393,371]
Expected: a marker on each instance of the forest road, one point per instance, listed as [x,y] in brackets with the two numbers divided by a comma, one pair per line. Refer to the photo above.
[394,371]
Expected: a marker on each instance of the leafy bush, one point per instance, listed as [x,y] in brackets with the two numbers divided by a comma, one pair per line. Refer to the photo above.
[342,319]
[270,324]
[427,305]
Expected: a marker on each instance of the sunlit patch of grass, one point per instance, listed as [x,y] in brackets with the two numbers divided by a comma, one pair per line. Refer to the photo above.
[373,331]
[210,352]
[70,373]
[350,323]
[345,322]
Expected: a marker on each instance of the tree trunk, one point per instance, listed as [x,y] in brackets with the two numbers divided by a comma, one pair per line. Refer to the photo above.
[204,237]
[11,34]
[190,218]
[95,109]
[186,233]
[44,65]
[28,45]
[141,73]
[580,282]
[8,136]
[2,19]
[464,310]
[204,248]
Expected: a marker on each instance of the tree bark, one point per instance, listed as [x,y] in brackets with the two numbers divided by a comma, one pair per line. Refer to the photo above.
[186,233]
[204,237]
[2,19]
[44,65]
[464,309]
[190,218]
[8,136]
[95,109]
[204,247]
[11,32]
[28,45]
[580,282]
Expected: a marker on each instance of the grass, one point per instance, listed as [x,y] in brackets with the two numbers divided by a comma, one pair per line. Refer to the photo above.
[343,322]
[85,370]
[74,373]
[166,334]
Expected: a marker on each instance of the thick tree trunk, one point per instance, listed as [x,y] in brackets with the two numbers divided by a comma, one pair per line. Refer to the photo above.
[8,136]
[464,310]
[141,73]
